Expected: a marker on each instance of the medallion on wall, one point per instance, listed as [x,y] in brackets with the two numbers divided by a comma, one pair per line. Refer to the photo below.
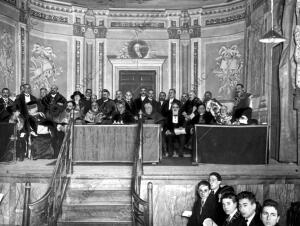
[138,49]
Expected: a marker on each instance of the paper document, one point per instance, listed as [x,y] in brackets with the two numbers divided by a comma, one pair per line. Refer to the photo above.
[179,131]
[186,213]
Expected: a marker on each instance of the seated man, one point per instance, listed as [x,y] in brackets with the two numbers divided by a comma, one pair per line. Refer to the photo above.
[150,116]
[122,116]
[247,207]
[202,116]
[106,105]
[223,118]
[175,130]
[234,217]
[204,206]
[42,133]
[270,213]
[94,115]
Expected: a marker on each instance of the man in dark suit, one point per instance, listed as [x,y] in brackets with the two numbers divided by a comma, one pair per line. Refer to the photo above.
[233,216]
[152,100]
[5,101]
[166,108]
[53,100]
[205,205]
[141,101]
[247,207]
[270,213]
[161,99]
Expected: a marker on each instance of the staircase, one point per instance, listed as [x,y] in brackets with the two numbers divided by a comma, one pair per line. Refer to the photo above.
[98,195]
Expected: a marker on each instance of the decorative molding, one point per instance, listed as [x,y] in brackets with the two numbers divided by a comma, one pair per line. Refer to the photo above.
[178,32]
[225,20]
[11,2]
[80,30]
[224,8]
[23,16]
[137,13]
[195,85]
[23,53]
[101,64]
[141,25]
[77,62]
[173,65]
[297,54]
[48,17]
[59,6]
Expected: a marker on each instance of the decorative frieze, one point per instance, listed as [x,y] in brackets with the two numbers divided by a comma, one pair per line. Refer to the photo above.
[11,2]
[225,20]
[297,54]
[177,32]
[224,8]
[48,17]
[50,6]
[80,30]
[173,65]
[142,25]
[101,64]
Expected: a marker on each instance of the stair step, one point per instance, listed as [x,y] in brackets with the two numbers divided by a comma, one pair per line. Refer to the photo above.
[94,222]
[100,184]
[89,196]
[115,211]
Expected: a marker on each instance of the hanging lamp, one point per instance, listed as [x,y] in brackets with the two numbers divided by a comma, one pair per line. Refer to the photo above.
[272,36]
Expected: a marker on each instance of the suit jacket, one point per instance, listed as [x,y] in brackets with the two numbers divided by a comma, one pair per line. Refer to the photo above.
[208,211]
[171,126]
[49,100]
[190,104]
[165,107]
[21,104]
[139,104]
[126,117]
[236,220]
[4,105]
[130,106]
[256,221]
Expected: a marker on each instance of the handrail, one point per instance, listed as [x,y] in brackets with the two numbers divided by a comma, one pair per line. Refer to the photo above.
[46,210]
[142,211]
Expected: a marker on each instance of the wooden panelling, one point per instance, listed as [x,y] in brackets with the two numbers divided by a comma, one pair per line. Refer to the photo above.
[114,143]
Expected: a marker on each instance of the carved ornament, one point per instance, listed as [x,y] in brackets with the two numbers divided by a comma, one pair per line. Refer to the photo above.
[80,30]
[297,54]
[141,25]
[48,17]
[225,20]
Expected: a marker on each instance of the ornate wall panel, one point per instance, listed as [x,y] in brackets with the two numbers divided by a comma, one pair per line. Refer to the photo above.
[223,66]
[48,64]
[173,65]
[8,63]
[101,64]
[77,63]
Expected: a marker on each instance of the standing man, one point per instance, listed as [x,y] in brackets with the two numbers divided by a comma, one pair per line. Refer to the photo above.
[152,100]
[119,96]
[106,105]
[53,101]
[242,103]
[141,100]
[205,205]
[161,99]
[247,207]
[166,108]
[5,100]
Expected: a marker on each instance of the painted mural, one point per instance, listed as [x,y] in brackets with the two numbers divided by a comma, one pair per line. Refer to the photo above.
[48,64]
[7,56]
[224,68]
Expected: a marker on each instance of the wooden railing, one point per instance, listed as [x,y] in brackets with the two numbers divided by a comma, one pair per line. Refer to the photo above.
[142,211]
[47,209]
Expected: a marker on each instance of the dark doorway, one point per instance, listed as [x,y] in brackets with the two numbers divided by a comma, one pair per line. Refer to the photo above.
[134,80]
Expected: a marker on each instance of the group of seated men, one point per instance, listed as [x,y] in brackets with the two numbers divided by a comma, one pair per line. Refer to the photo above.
[46,116]
[218,204]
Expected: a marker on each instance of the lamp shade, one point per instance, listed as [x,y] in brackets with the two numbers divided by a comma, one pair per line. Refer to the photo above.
[272,37]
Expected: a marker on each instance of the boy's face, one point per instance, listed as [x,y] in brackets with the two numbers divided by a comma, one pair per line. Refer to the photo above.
[269,216]
[214,183]
[228,205]
[203,191]
[246,208]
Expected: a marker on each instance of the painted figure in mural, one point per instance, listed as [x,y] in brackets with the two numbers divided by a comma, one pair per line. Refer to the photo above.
[44,71]
[137,50]
[7,67]
[229,69]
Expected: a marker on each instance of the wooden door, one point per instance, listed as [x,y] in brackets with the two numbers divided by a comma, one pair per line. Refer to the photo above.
[134,80]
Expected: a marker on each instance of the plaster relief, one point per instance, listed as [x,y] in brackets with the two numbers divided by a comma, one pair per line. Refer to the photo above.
[7,56]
